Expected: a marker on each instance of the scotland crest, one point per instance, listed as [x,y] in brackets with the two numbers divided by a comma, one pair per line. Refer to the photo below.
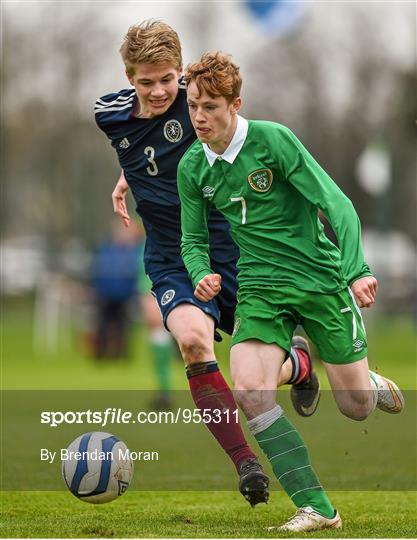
[173,131]
[167,297]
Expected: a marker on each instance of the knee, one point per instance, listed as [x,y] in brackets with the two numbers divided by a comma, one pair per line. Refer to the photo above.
[193,346]
[250,394]
[248,382]
[358,413]
[357,405]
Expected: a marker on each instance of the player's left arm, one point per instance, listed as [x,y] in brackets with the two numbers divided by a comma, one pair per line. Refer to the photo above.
[364,289]
[310,179]
[194,242]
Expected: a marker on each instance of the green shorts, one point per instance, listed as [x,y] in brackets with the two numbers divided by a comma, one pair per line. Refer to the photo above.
[333,322]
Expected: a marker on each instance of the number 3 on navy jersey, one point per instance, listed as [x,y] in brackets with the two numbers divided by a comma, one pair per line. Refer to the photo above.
[149,152]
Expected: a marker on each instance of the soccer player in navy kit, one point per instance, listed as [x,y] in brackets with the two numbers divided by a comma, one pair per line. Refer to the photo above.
[150,129]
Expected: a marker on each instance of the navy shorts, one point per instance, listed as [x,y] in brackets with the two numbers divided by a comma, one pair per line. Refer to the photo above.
[175,288]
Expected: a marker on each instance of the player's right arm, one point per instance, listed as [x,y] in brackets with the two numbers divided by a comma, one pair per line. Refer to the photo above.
[194,243]
[119,199]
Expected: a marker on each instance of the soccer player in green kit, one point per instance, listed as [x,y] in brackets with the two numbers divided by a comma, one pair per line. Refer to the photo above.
[270,189]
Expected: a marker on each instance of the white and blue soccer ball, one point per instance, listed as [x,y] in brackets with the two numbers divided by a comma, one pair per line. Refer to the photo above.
[98,468]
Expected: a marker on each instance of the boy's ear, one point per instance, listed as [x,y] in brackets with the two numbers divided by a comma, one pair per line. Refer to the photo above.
[129,77]
[236,104]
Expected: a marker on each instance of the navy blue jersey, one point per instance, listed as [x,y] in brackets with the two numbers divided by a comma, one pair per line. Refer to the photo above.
[149,150]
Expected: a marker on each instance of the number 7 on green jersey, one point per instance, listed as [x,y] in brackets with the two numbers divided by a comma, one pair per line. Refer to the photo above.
[242,200]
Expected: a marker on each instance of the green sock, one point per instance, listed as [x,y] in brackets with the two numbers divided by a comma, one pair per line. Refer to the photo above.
[161,353]
[290,462]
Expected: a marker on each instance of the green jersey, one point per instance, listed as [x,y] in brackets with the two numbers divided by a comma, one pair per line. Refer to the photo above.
[269,188]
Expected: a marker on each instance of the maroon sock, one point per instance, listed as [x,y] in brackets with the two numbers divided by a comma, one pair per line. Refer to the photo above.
[210,391]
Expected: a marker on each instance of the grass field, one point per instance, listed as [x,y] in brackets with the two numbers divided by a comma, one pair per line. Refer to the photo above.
[194,515]
[392,351]
[49,514]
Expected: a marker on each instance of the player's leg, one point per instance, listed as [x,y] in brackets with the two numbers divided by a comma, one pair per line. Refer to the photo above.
[305,385]
[255,368]
[161,349]
[121,328]
[351,387]
[335,325]
[103,331]
[193,330]
[357,390]
[192,325]
[159,340]
[258,351]
[297,369]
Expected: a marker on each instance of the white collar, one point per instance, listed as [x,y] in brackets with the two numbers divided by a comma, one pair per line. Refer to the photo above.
[235,146]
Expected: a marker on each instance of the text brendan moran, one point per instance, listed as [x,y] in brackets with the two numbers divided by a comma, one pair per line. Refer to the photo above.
[95,455]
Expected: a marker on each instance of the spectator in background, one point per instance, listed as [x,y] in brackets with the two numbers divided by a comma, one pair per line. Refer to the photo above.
[114,280]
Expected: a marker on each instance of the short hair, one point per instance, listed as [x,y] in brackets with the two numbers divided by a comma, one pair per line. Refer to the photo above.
[215,74]
[151,42]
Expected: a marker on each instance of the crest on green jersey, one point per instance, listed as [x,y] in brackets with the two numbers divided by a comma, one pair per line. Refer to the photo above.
[260,180]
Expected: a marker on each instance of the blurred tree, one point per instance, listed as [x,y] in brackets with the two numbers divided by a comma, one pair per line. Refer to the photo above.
[401,133]
[330,80]
[337,88]
[57,175]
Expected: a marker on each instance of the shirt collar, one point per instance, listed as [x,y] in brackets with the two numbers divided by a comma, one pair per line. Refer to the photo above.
[235,146]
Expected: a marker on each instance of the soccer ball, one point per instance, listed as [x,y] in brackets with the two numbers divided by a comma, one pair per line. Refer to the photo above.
[97,467]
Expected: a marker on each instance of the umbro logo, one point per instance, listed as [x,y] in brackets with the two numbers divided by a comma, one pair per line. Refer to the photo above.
[124,143]
[358,345]
[208,191]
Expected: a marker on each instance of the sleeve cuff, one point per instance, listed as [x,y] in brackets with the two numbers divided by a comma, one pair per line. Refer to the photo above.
[359,276]
[201,275]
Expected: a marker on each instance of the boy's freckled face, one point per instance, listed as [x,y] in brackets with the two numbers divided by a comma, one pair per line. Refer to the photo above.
[212,117]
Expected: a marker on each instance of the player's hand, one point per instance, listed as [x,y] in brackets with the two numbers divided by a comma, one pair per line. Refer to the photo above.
[208,287]
[364,291]
[119,200]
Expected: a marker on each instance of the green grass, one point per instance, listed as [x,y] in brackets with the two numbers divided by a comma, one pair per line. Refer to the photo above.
[26,366]
[197,514]
[392,350]
[366,514]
